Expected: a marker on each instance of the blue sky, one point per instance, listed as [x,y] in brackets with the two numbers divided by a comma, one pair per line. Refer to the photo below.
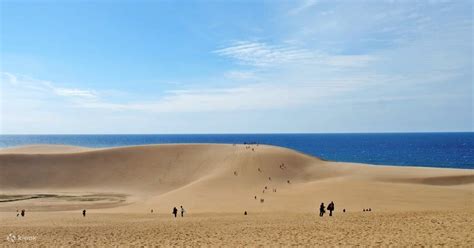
[235,66]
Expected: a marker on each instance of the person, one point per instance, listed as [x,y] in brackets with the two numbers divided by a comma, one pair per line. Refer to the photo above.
[182,211]
[255,197]
[344,210]
[22,213]
[175,211]
[331,208]
[245,213]
[84,213]
[321,209]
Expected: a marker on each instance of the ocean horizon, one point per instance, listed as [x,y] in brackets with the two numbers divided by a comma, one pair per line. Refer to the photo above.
[444,150]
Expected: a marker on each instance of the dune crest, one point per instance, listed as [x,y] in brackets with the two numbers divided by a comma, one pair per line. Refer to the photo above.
[43,149]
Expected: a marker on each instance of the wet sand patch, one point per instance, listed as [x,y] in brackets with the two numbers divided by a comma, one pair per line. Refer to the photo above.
[61,201]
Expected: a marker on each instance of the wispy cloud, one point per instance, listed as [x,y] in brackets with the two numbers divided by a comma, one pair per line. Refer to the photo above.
[250,97]
[261,54]
[304,5]
[28,83]
[254,97]
[74,93]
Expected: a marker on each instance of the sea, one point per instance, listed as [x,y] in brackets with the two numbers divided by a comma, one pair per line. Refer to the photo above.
[446,150]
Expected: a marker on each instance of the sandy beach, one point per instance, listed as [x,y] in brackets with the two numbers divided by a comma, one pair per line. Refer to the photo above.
[280,189]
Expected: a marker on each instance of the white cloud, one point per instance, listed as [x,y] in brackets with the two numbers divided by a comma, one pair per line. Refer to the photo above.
[261,54]
[239,98]
[9,78]
[251,97]
[28,83]
[74,93]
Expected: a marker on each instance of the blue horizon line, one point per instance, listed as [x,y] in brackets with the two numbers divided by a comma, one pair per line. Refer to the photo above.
[283,133]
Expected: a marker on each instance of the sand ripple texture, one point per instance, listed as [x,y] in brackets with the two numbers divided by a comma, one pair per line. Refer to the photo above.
[428,228]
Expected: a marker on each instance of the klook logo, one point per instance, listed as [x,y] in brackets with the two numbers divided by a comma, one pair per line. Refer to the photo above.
[15,238]
[11,237]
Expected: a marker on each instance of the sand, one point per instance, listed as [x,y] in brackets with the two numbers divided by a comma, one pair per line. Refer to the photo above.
[216,184]
[264,229]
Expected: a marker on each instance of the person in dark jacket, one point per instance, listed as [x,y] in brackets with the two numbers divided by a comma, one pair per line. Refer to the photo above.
[175,211]
[321,209]
[331,208]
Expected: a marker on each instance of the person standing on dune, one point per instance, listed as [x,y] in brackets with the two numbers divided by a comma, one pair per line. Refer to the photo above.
[331,208]
[175,211]
[321,209]
[182,211]
[84,213]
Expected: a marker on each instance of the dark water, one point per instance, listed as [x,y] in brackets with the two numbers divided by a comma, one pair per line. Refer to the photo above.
[455,150]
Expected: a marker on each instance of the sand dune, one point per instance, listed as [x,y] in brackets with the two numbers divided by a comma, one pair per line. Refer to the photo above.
[220,178]
[216,184]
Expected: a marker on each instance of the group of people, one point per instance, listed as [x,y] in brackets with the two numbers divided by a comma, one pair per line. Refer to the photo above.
[322,209]
[282,166]
[22,213]
[175,212]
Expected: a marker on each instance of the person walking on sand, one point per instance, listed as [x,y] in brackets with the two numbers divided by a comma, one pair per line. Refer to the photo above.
[84,213]
[182,211]
[22,213]
[331,208]
[175,211]
[321,209]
